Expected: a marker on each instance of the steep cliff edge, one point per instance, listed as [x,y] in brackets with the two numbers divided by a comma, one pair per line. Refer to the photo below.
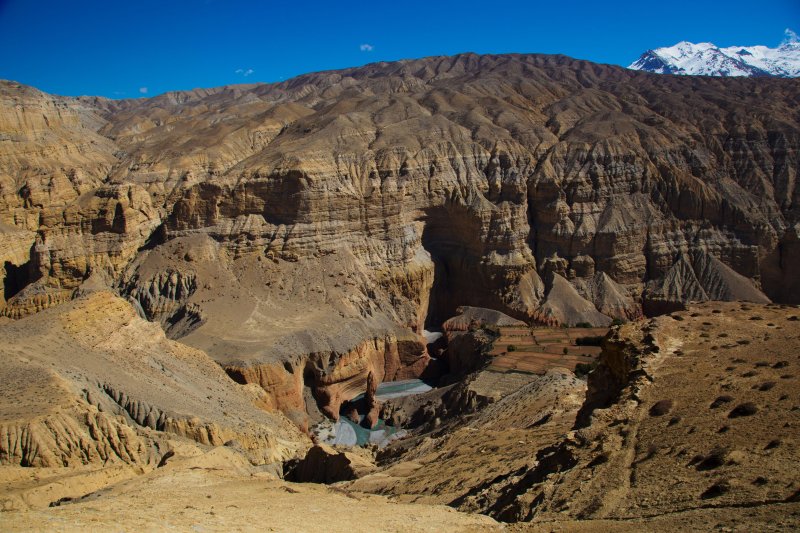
[689,420]
[285,228]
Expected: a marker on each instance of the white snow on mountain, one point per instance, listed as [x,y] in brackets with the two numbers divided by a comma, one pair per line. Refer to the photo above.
[707,59]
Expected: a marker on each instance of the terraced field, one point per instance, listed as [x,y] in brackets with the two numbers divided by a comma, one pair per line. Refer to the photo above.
[535,350]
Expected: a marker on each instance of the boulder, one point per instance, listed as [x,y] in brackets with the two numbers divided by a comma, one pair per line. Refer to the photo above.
[325,464]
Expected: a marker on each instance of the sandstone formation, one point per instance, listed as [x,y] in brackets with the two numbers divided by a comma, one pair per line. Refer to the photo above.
[478,317]
[371,404]
[324,464]
[304,233]
[91,383]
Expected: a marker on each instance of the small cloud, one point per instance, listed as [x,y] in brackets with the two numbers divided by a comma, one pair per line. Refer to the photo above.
[244,72]
[143,90]
[366,47]
[790,37]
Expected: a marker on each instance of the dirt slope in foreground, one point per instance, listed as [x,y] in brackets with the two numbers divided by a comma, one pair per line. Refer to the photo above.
[219,491]
[691,421]
[696,424]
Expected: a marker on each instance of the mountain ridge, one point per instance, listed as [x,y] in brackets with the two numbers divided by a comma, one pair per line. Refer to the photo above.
[290,229]
[707,59]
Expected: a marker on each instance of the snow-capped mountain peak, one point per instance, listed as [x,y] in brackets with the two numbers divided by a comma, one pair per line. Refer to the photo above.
[707,59]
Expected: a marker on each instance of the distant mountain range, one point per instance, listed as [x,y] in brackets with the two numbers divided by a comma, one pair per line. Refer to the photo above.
[707,59]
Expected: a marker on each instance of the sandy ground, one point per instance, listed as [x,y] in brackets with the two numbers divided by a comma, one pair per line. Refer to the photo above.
[218,491]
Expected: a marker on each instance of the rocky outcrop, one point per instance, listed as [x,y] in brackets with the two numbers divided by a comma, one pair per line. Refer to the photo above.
[35,297]
[470,336]
[371,404]
[91,382]
[14,260]
[468,351]
[165,298]
[478,317]
[783,281]
[82,436]
[699,277]
[324,464]
[621,367]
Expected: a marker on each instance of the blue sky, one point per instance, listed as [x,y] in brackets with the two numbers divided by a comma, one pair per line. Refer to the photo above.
[131,49]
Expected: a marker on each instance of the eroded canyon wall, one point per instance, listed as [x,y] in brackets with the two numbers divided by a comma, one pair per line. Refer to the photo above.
[338,213]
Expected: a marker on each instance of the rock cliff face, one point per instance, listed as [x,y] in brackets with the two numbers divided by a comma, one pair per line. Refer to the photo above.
[304,233]
[91,383]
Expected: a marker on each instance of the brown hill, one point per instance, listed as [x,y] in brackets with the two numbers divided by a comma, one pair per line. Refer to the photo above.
[337,213]
[91,383]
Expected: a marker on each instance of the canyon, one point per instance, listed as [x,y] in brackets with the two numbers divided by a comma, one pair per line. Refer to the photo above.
[207,274]
[338,213]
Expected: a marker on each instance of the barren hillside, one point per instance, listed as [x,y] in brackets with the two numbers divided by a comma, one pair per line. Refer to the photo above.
[338,213]
[194,280]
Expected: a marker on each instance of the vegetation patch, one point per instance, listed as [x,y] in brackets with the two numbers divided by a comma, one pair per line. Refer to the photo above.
[714,459]
[717,489]
[595,340]
[584,369]
[661,407]
[721,400]
[743,409]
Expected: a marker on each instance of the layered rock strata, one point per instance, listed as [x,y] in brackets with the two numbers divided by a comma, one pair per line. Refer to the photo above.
[292,229]
[92,383]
